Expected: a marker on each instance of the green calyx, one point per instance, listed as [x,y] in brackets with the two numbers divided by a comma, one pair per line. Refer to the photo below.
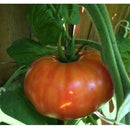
[69,53]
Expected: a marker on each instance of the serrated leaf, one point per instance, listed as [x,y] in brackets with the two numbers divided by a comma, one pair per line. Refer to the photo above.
[124,109]
[26,50]
[44,23]
[14,103]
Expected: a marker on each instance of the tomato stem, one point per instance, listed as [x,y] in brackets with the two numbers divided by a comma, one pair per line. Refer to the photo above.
[62,56]
[71,50]
[69,55]
[92,44]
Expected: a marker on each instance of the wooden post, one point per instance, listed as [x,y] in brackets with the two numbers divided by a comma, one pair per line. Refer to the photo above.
[13,25]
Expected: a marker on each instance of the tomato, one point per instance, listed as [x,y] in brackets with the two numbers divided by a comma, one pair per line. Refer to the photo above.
[68,90]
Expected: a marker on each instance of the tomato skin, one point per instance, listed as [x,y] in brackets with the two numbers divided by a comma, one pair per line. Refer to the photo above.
[68,90]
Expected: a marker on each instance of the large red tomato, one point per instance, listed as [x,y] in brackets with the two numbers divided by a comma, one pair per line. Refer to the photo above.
[68,90]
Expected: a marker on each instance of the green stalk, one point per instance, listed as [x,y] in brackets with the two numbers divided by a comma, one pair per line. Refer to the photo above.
[52,8]
[122,71]
[123,74]
[70,52]
[62,56]
[124,78]
[107,50]
[19,71]
[67,30]
[83,41]
[92,120]
[90,43]
[72,49]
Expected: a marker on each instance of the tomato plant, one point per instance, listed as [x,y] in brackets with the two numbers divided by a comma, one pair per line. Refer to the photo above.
[62,81]
[68,90]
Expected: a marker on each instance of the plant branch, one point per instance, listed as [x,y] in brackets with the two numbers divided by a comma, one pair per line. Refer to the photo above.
[90,43]
[123,74]
[8,62]
[120,64]
[62,56]
[110,121]
[107,50]
[126,27]
[19,71]
[92,120]
[52,8]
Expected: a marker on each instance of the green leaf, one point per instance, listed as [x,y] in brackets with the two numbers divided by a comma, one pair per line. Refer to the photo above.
[99,122]
[9,120]
[45,23]
[26,50]
[70,13]
[124,109]
[14,103]
[124,48]
[123,44]
[106,109]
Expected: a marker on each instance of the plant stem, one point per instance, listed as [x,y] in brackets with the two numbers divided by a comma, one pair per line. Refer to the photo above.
[8,62]
[72,49]
[66,28]
[52,8]
[90,43]
[107,50]
[124,78]
[82,41]
[92,120]
[110,121]
[62,56]
[19,71]
[123,74]
[122,71]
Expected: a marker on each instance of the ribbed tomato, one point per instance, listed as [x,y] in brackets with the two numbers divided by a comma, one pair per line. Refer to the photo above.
[68,90]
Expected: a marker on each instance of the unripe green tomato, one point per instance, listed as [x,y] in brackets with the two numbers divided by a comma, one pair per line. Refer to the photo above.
[68,90]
